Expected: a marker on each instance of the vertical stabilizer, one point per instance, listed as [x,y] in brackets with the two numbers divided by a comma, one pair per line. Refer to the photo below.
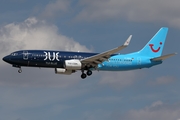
[155,46]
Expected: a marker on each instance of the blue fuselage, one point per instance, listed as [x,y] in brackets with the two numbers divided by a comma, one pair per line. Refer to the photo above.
[56,59]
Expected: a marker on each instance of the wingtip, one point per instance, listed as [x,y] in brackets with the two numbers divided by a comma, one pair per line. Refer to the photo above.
[128,41]
[174,53]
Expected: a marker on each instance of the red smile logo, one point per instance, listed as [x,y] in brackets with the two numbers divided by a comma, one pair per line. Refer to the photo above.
[157,50]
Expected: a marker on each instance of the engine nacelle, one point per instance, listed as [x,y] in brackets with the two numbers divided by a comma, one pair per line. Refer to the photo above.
[73,64]
[63,71]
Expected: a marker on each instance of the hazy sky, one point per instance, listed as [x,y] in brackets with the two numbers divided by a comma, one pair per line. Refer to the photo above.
[89,25]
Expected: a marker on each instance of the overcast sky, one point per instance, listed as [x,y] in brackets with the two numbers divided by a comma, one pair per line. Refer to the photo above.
[89,25]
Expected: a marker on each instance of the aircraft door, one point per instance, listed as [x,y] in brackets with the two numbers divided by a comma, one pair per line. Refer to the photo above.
[25,55]
[138,61]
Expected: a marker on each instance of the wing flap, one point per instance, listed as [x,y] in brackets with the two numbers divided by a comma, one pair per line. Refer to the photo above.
[163,57]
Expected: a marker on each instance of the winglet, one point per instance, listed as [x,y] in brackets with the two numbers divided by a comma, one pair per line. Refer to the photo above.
[128,41]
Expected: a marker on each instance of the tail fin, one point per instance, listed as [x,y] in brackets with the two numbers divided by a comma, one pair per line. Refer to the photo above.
[155,46]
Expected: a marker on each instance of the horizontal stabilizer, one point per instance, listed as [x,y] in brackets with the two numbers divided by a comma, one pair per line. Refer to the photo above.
[163,57]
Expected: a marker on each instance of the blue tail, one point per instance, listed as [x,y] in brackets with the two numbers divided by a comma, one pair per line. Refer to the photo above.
[155,46]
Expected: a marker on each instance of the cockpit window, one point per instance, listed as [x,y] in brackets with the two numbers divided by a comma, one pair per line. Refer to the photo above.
[14,54]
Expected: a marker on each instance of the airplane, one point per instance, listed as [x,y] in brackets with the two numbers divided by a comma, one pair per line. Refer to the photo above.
[65,62]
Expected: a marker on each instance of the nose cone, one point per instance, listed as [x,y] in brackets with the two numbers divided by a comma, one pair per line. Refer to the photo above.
[6,59]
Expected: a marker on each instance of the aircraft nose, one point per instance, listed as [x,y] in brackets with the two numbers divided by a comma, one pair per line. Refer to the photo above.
[6,58]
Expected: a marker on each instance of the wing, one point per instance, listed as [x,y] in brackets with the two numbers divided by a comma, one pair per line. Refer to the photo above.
[99,58]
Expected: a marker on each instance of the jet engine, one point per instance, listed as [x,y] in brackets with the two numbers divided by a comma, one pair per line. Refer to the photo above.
[72,64]
[63,71]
